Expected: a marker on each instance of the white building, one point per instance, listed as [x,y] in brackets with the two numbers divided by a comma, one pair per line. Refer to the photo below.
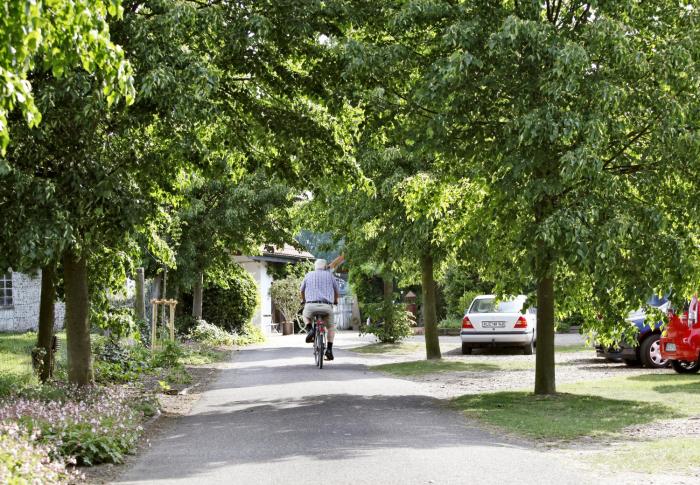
[20,296]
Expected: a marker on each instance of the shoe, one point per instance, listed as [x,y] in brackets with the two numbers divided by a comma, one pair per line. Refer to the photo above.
[329,355]
[310,336]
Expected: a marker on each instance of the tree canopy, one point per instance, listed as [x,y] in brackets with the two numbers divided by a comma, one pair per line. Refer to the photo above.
[56,36]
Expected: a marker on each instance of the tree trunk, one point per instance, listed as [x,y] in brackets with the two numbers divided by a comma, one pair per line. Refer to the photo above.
[388,280]
[197,294]
[544,369]
[77,322]
[46,320]
[140,299]
[432,343]
[164,317]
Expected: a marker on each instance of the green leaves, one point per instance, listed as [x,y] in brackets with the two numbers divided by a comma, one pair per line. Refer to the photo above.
[56,35]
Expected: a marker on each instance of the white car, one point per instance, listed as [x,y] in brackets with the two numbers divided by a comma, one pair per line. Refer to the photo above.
[491,323]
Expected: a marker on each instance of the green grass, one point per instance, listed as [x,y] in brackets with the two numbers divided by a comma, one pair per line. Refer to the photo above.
[201,354]
[379,348]
[16,361]
[680,393]
[588,408]
[419,367]
[562,416]
[570,349]
[675,455]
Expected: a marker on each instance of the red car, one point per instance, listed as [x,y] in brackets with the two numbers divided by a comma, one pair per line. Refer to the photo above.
[680,343]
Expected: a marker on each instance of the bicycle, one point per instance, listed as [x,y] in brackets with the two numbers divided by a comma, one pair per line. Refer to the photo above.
[319,338]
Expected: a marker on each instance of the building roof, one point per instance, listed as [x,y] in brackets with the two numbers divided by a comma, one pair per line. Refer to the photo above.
[286,251]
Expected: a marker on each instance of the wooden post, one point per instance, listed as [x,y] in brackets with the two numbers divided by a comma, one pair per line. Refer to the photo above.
[172,320]
[140,299]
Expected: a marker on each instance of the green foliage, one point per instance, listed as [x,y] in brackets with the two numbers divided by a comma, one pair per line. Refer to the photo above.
[233,306]
[57,36]
[120,363]
[120,322]
[169,355]
[460,285]
[249,334]
[209,334]
[286,296]
[565,323]
[24,461]
[184,324]
[465,301]
[289,270]
[366,284]
[452,323]
[401,326]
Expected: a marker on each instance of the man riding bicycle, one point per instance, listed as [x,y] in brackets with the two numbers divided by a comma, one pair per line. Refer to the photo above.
[319,292]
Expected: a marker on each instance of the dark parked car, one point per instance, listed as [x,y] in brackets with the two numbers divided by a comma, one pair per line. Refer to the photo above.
[646,347]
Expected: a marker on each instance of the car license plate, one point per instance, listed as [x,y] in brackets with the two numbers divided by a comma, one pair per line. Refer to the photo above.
[493,324]
[670,347]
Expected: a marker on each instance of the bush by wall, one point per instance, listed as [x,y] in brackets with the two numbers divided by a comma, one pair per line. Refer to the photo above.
[232,307]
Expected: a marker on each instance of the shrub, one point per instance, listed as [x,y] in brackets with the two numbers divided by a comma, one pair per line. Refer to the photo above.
[93,424]
[232,307]
[184,324]
[22,460]
[250,334]
[209,334]
[402,321]
[564,324]
[450,323]
[115,362]
[169,355]
[466,300]
[285,295]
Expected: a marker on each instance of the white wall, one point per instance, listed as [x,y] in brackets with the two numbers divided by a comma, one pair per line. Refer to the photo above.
[23,315]
[258,270]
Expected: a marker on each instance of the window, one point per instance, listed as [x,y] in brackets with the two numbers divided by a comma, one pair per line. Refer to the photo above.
[6,289]
[488,305]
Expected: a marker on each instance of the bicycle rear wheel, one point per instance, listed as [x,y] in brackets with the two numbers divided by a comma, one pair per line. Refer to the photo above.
[321,348]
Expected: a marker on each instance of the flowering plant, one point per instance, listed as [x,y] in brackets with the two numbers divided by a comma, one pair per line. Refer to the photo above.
[23,460]
[92,424]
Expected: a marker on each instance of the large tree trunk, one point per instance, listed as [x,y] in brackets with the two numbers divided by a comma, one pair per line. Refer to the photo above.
[388,281]
[432,343]
[197,295]
[46,320]
[544,370]
[545,269]
[77,322]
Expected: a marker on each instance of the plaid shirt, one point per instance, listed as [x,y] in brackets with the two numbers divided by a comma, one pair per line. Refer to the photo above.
[320,285]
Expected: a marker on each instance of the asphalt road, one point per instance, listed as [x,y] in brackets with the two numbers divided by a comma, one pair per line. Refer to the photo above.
[273,418]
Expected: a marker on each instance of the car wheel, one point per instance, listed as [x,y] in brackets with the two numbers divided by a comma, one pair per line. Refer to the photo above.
[529,349]
[650,352]
[466,349]
[686,367]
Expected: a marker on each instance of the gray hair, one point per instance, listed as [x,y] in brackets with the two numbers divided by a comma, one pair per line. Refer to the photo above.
[320,264]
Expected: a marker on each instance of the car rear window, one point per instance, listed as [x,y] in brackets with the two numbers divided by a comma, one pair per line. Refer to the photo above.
[488,305]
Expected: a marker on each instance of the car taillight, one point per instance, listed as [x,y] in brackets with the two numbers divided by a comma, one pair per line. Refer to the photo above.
[521,323]
[466,323]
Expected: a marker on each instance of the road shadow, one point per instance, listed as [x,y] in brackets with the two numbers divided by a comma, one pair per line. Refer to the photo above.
[327,428]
